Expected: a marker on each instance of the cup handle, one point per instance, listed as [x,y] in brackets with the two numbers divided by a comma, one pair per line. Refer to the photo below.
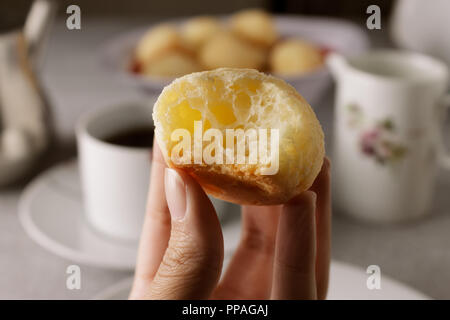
[444,155]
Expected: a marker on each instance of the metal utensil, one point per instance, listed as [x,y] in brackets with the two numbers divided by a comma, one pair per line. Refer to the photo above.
[25,127]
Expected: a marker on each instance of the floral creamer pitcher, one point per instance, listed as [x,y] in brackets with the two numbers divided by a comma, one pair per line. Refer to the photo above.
[389,113]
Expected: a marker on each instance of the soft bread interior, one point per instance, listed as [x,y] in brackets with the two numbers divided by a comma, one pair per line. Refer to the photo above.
[243,99]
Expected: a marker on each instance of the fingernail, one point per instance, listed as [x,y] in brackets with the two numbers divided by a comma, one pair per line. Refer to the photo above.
[175,194]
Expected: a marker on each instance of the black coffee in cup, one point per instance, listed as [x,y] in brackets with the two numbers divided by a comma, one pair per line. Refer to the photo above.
[138,137]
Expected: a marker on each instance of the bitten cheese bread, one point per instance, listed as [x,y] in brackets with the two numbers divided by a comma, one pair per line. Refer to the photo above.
[245,136]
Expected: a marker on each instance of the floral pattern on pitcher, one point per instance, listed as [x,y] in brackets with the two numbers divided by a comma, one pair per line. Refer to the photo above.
[378,139]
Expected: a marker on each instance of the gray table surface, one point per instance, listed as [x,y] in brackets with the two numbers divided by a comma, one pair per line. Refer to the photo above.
[416,253]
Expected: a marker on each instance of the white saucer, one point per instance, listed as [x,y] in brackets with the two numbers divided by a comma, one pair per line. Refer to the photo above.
[51,212]
[347,282]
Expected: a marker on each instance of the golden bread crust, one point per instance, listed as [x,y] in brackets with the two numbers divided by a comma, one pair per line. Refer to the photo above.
[275,104]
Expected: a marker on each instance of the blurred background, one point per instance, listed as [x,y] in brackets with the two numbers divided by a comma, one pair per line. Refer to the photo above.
[13,13]
[72,79]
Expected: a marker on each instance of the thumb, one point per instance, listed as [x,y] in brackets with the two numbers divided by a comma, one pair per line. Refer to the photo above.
[192,263]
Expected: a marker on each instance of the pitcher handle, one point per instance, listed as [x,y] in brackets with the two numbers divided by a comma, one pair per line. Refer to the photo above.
[336,63]
[444,155]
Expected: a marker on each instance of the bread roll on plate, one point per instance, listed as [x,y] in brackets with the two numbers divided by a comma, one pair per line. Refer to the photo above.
[171,64]
[244,100]
[198,30]
[157,41]
[227,50]
[255,25]
[295,56]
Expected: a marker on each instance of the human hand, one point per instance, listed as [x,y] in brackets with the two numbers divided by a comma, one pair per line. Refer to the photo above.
[284,252]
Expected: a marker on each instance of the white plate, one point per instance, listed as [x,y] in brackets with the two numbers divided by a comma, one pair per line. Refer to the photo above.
[347,282]
[51,212]
[338,35]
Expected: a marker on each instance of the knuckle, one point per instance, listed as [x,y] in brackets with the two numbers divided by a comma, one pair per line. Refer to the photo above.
[181,255]
[186,258]
[255,240]
[304,269]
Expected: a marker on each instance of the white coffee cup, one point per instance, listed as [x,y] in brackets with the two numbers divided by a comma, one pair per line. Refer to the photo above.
[387,137]
[115,178]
